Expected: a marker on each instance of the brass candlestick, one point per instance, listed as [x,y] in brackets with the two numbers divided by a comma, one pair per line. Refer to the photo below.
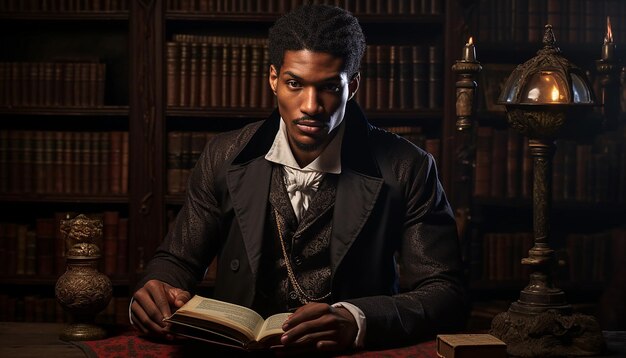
[82,290]
[466,70]
[608,72]
[545,98]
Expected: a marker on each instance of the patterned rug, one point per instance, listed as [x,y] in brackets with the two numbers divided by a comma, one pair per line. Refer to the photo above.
[130,344]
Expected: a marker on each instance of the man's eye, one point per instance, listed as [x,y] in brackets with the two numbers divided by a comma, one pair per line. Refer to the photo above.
[331,87]
[293,84]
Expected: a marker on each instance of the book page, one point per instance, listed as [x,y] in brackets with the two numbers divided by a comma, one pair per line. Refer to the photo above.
[273,325]
[235,316]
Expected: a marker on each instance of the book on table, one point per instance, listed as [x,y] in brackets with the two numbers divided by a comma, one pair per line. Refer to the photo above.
[469,346]
[226,324]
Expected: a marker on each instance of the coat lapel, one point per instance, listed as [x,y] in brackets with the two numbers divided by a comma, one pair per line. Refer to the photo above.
[249,188]
[355,199]
[248,181]
[359,185]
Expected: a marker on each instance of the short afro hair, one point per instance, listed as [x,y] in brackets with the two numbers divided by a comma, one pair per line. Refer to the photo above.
[318,28]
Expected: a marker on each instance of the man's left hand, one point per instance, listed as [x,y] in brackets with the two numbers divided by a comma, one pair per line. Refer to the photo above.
[322,326]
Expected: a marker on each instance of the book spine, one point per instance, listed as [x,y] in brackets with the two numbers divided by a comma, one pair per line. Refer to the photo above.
[124,163]
[244,76]
[203,93]
[44,229]
[435,77]
[183,95]
[110,234]
[234,71]
[382,77]
[173,73]
[194,78]
[482,170]
[498,169]
[115,160]
[85,164]
[122,248]
[59,162]
[174,149]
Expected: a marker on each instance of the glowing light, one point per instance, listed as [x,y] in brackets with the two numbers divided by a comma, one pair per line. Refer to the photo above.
[555,94]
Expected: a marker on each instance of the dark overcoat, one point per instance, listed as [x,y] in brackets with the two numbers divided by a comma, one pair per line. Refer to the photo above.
[390,212]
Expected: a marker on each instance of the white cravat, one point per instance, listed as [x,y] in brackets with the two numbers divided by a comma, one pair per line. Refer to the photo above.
[302,183]
[301,186]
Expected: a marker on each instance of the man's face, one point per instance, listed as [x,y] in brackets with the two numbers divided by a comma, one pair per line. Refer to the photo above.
[312,92]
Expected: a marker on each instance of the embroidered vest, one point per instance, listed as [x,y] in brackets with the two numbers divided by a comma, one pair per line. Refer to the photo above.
[307,245]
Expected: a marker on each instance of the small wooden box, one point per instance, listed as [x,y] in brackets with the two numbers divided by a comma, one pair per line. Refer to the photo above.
[470,345]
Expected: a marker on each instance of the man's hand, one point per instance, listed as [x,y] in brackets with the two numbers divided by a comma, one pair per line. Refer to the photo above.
[153,302]
[322,326]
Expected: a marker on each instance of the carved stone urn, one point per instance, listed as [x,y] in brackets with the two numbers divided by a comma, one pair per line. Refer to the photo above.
[82,290]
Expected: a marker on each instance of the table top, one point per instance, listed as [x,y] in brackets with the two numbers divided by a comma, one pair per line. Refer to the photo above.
[18,339]
[35,340]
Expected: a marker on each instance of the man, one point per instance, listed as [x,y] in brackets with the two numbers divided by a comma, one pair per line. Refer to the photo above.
[309,210]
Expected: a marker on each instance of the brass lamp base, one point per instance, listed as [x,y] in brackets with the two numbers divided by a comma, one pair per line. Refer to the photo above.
[82,332]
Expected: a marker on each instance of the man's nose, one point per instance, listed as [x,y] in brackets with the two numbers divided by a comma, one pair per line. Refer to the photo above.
[311,103]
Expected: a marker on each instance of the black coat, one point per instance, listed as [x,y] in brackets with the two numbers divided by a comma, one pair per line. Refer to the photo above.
[389,206]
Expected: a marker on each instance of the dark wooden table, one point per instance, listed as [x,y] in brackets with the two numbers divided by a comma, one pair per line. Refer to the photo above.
[35,340]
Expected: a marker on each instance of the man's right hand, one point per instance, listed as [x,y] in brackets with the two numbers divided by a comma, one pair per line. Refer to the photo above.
[153,302]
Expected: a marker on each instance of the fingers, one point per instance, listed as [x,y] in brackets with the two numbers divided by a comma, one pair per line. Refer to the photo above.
[179,297]
[306,313]
[153,302]
[143,321]
[322,326]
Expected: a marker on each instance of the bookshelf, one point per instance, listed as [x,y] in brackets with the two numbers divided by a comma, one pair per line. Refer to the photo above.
[131,41]
[589,177]
[64,122]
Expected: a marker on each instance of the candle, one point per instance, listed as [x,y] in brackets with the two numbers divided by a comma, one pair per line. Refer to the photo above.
[469,51]
[608,47]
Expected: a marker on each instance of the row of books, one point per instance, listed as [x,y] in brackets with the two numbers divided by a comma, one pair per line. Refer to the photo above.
[63,162]
[35,308]
[584,258]
[217,71]
[40,250]
[62,5]
[401,77]
[184,149]
[573,21]
[502,254]
[592,257]
[358,7]
[67,84]
[581,172]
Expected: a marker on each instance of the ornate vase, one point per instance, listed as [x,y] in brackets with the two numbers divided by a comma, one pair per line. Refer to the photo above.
[82,290]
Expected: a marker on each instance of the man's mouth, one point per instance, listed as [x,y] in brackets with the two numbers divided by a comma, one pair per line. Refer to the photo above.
[310,126]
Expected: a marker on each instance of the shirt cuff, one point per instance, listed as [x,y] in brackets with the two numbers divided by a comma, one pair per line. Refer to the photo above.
[359,317]
[130,312]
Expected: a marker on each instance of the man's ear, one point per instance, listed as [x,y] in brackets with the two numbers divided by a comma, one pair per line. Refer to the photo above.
[353,86]
[273,78]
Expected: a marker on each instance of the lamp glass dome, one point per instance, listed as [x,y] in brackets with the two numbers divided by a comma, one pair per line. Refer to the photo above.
[547,79]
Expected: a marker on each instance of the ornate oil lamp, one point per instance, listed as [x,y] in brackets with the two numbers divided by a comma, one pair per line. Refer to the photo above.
[547,97]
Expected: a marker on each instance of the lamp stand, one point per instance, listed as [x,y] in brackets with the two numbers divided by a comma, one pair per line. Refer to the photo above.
[541,322]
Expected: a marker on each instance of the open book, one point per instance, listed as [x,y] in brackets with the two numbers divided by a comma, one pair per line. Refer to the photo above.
[226,324]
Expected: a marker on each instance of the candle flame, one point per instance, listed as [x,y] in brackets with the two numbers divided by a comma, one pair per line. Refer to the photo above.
[470,41]
[555,94]
[609,33]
